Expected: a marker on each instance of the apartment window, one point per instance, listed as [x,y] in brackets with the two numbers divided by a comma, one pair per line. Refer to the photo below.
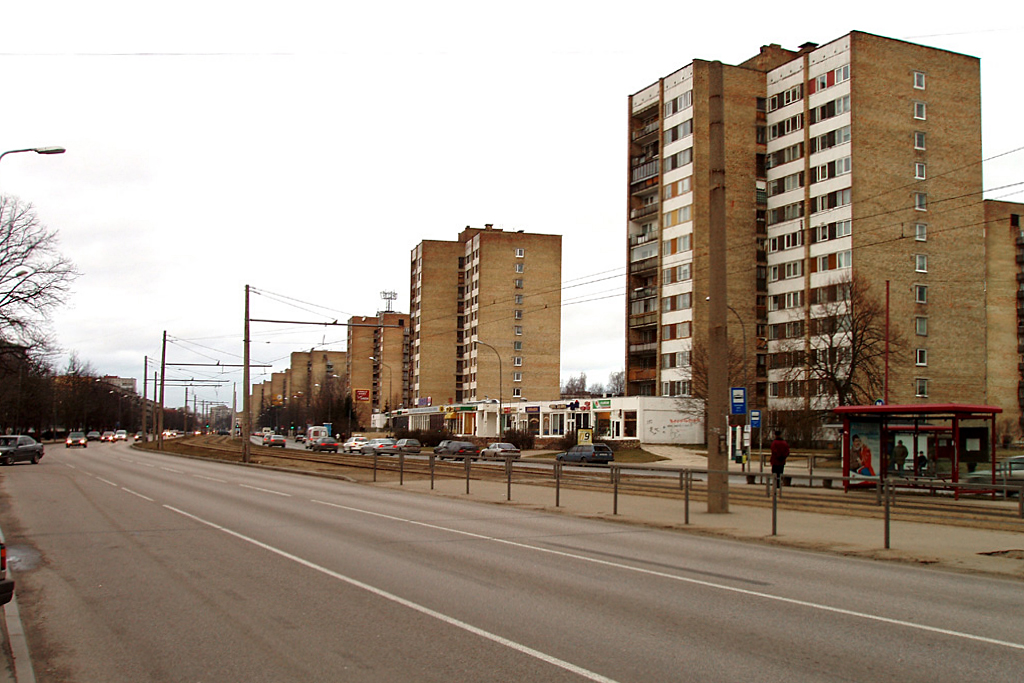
[921,326]
[843,73]
[678,187]
[921,357]
[921,263]
[920,232]
[919,171]
[517,346]
[519,284]
[517,392]
[519,330]
[518,314]
[921,201]
[921,387]
[793,123]
[517,361]
[921,294]
[517,377]
[920,111]
[519,267]
[684,129]
[519,298]
[918,80]
[678,104]
[520,253]
[844,259]
[773,389]
[679,159]
[919,140]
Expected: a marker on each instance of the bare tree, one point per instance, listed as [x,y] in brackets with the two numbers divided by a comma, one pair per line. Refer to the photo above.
[576,385]
[596,389]
[845,359]
[617,383]
[34,276]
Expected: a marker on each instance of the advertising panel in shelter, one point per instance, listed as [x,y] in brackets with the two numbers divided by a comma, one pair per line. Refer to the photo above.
[864,457]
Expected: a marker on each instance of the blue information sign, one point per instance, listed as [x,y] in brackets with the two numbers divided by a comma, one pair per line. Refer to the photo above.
[739,400]
[755,418]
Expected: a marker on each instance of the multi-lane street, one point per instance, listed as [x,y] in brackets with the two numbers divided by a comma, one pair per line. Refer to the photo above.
[135,566]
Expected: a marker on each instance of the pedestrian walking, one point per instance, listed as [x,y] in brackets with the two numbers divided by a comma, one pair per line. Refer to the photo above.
[899,456]
[780,452]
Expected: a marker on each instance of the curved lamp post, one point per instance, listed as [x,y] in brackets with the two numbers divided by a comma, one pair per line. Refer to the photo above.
[500,378]
[390,395]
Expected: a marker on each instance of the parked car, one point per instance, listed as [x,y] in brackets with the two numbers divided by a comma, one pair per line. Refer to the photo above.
[93,436]
[17,447]
[324,444]
[277,440]
[107,436]
[354,444]
[6,585]
[458,449]
[76,439]
[440,448]
[585,453]
[380,447]
[121,435]
[409,446]
[500,450]
[1010,471]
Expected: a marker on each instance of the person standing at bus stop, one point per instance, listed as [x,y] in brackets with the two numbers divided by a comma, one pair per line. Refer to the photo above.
[780,452]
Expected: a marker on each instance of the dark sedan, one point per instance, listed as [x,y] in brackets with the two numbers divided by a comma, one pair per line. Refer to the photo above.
[15,448]
[458,449]
[325,444]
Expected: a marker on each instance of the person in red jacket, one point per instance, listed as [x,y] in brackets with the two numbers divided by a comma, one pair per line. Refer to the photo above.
[780,451]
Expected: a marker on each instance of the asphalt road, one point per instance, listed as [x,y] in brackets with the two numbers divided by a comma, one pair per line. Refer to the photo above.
[134,566]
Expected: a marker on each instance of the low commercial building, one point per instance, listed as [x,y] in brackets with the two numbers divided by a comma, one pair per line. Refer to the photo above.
[649,419]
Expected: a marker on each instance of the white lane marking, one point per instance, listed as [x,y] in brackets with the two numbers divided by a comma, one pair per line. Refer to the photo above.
[171,469]
[451,621]
[107,481]
[71,466]
[257,488]
[135,493]
[219,481]
[696,582]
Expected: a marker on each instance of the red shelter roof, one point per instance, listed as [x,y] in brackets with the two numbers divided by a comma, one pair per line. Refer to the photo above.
[919,409]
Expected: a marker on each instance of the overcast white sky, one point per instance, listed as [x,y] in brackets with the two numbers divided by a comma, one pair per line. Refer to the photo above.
[304,148]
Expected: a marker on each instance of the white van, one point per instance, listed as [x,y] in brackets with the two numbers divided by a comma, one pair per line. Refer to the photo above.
[314,433]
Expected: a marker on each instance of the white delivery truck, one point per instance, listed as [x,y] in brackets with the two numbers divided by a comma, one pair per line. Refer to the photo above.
[314,433]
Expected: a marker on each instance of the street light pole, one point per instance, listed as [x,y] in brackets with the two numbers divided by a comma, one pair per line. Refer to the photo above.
[500,380]
[37,150]
[390,395]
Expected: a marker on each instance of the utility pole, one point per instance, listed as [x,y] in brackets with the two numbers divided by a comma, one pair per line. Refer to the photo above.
[184,414]
[160,417]
[145,403]
[718,338]
[246,414]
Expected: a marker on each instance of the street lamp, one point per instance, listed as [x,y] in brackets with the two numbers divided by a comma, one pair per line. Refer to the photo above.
[37,150]
[500,379]
[390,395]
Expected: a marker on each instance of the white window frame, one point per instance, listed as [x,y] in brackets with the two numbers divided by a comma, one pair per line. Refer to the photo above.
[517,377]
[520,253]
[920,201]
[519,267]
[920,263]
[921,357]
[921,387]
[919,80]
[920,111]
[921,232]
[920,294]
[517,392]
[921,326]
[920,140]
[920,170]
[517,346]
[519,330]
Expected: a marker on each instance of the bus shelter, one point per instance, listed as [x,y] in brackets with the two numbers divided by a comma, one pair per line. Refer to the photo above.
[938,438]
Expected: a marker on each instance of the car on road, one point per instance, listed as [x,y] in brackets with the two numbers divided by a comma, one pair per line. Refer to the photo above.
[6,585]
[276,440]
[458,450]
[500,450]
[324,444]
[354,444]
[300,438]
[93,436]
[409,446]
[17,447]
[76,439]
[138,436]
[379,447]
[1010,471]
[585,453]
[121,435]
[107,436]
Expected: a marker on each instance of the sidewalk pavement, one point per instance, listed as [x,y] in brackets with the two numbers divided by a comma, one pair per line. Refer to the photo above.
[958,548]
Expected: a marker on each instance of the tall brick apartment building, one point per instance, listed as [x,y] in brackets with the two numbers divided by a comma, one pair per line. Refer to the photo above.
[858,159]
[377,353]
[498,288]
